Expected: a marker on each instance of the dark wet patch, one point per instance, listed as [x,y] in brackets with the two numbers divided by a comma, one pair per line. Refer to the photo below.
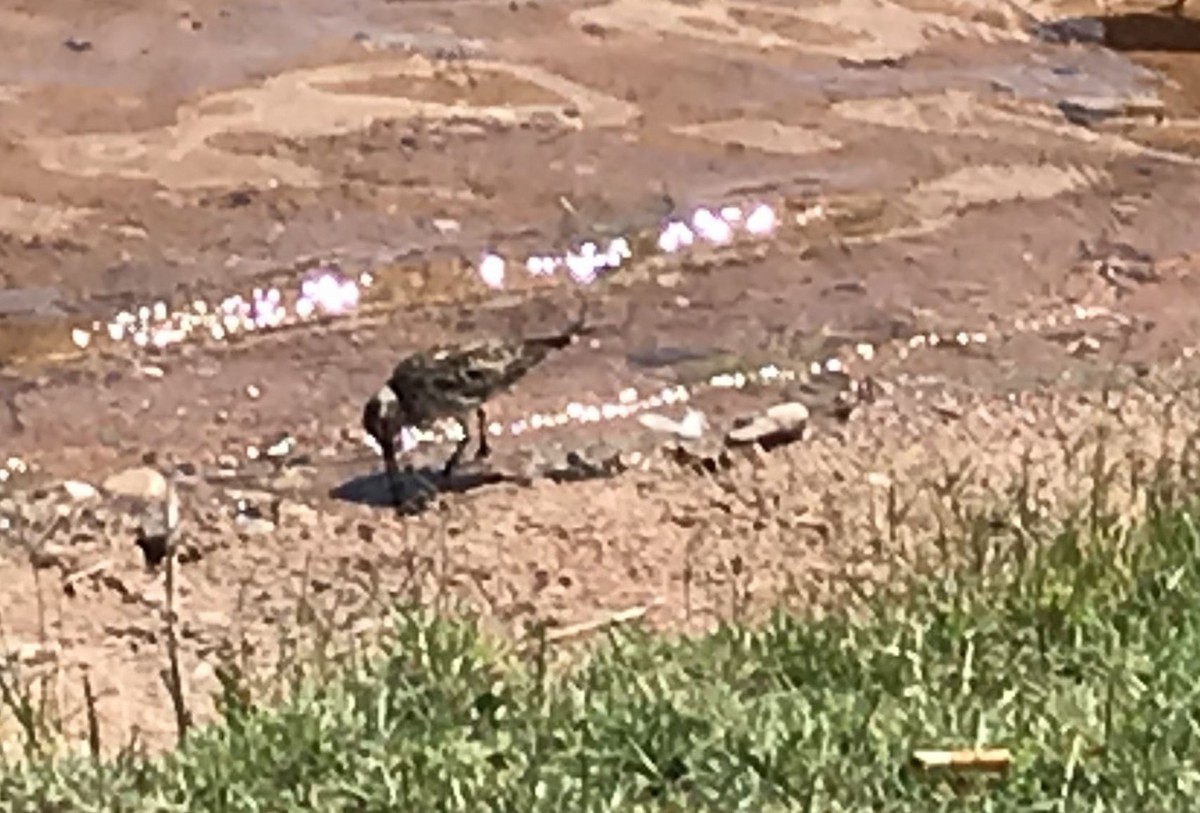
[1135,31]
[1071,30]
[670,355]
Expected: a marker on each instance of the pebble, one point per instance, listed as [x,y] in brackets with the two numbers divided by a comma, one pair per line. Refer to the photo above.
[254,526]
[780,423]
[141,482]
[79,491]
[282,447]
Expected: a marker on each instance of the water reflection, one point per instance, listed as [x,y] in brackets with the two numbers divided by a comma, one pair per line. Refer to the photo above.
[327,291]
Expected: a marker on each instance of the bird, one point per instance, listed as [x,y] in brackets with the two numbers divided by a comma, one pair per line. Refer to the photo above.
[454,381]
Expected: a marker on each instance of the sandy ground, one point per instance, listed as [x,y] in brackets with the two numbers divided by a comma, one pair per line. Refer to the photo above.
[989,231]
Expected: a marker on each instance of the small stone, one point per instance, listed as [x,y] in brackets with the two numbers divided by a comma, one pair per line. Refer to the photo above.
[781,423]
[447,226]
[227,461]
[141,482]
[282,447]
[255,526]
[79,491]
[789,415]
[253,392]
[33,653]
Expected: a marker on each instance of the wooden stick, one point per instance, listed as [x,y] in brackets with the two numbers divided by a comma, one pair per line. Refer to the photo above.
[967,759]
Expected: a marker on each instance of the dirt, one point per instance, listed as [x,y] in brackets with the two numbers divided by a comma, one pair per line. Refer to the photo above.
[949,235]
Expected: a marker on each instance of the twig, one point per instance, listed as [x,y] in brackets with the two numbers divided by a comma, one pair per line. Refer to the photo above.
[91,570]
[625,616]
[93,720]
[977,759]
[172,676]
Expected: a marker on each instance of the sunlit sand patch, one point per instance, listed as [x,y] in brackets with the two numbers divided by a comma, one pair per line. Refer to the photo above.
[874,29]
[880,29]
[762,134]
[704,20]
[19,22]
[951,194]
[963,114]
[935,205]
[301,104]
[25,219]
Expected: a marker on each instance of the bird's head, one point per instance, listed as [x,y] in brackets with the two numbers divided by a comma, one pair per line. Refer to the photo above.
[381,415]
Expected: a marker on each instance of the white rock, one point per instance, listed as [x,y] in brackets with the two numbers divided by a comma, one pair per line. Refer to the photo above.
[757,429]
[79,491]
[691,427]
[791,414]
[781,423]
[141,482]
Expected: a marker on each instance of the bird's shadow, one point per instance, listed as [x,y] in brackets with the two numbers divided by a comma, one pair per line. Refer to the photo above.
[418,488]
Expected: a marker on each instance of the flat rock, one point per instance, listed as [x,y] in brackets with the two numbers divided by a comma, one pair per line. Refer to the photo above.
[31,301]
[1085,110]
[690,427]
[142,483]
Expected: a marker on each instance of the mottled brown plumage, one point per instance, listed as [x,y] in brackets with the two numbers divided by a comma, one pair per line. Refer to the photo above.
[454,381]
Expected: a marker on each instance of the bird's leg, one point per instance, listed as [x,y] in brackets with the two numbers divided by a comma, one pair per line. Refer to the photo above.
[388,445]
[485,449]
[459,448]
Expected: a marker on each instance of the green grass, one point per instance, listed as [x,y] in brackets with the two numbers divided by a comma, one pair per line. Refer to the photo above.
[1083,658]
